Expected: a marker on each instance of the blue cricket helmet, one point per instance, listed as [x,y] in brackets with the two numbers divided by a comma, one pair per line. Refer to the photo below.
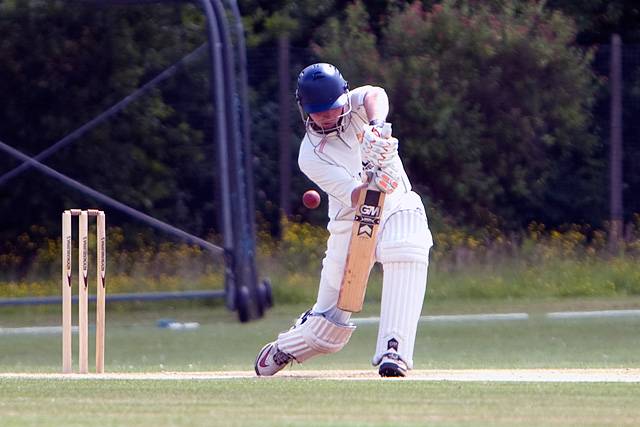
[321,87]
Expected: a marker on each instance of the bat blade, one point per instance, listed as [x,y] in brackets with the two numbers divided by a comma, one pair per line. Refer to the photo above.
[361,252]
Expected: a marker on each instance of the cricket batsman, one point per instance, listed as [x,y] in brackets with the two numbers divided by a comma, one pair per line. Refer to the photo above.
[342,151]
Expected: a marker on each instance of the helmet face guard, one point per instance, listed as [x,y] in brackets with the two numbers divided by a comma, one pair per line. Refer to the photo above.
[343,122]
[321,87]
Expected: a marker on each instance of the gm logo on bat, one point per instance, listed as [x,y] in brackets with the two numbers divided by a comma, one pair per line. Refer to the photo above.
[368,217]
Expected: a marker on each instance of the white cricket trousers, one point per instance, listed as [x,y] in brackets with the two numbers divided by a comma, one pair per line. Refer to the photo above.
[404,241]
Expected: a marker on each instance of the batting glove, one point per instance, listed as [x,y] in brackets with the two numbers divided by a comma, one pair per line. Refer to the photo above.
[378,146]
[386,179]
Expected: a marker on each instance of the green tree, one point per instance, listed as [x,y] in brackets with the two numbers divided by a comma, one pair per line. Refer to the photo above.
[598,19]
[491,104]
[64,65]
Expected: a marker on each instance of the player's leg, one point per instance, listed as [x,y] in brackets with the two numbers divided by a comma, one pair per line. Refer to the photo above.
[332,272]
[321,330]
[313,334]
[403,250]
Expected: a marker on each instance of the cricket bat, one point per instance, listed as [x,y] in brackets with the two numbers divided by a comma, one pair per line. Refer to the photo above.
[362,247]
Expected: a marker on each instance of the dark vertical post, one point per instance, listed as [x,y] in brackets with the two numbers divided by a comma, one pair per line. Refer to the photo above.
[615,163]
[284,132]
[247,300]
[245,114]
[220,138]
[264,297]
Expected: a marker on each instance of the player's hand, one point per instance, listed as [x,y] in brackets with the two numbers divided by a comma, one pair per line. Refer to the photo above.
[378,146]
[380,152]
[386,179]
[379,130]
[381,127]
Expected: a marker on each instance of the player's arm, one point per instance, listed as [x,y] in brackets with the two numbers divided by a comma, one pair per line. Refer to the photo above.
[376,105]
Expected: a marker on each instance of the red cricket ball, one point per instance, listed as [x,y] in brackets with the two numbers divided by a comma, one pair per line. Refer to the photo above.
[311,199]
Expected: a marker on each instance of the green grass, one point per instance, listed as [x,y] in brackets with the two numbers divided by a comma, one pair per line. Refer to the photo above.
[296,280]
[134,344]
[273,402]
[556,277]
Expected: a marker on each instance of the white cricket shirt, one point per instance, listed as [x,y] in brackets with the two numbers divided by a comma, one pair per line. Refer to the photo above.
[334,163]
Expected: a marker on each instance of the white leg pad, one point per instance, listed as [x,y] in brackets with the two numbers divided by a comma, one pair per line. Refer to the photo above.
[403,288]
[403,251]
[405,238]
[314,334]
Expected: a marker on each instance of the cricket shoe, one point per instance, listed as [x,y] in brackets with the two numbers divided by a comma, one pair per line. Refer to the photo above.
[391,365]
[271,360]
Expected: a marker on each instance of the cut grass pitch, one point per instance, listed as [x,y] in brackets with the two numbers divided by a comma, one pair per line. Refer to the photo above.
[300,402]
[135,344]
